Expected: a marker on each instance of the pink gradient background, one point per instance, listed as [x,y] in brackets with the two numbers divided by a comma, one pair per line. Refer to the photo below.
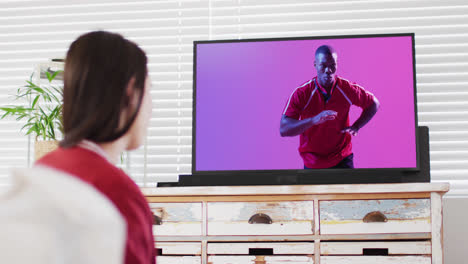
[242,89]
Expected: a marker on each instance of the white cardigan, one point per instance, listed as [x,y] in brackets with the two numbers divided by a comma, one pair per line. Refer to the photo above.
[47,216]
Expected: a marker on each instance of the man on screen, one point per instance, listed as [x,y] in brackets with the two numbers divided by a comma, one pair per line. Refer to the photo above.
[318,111]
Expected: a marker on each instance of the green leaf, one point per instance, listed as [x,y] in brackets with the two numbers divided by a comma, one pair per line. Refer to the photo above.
[59,125]
[58,90]
[39,90]
[49,94]
[30,130]
[43,131]
[48,75]
[42,111]
[30,120]
[7,109]
[16,110]
[35,129]
[35,101]
[51,130]
[27,125]
[51,77]
[5,115]
[31,85]
[21,116]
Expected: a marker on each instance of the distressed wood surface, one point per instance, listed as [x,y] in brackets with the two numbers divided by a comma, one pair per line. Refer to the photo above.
[178,260]
[232,218]
[278,194]
[298,189]
[317,251]
[437,229]
[290,197]
[260,259]
[316,217]
[178,219]
[375,260]
[394,248]
[285,238]
[404,216]
[204,253]
[179,248]
[285,248]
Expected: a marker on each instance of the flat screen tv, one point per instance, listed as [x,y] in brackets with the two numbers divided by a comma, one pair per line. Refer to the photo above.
[328,109]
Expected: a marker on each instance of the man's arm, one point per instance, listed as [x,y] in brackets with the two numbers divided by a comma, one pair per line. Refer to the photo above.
[365,117]
[290,127]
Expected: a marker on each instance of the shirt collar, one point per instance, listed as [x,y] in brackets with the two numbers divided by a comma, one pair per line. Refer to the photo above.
[324,92]
[91,146]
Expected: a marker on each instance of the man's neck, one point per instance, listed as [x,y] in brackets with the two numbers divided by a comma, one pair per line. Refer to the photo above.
[325,87]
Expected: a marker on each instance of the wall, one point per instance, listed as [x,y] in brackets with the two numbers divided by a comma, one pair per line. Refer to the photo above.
[455,230]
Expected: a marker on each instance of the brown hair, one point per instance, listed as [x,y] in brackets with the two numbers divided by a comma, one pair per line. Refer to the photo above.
[98,67]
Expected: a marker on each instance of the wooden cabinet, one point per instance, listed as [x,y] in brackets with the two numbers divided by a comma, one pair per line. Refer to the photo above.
[179,252]
[259,253]
[261,218]
[173,219]
[375,216]
[411,252]
[322,224]
[260,260]
[375,259]
[391,248]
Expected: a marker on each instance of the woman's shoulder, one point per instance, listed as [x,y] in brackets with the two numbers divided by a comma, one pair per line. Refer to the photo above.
[94,169]
[86,165]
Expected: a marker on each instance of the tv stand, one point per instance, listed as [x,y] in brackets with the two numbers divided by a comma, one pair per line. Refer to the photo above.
[313,224]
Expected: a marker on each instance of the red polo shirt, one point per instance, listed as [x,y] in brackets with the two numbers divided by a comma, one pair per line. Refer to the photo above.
[324,146]
[114,183]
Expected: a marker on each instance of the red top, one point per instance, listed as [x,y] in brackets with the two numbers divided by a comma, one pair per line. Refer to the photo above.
[119,188]
[324,146]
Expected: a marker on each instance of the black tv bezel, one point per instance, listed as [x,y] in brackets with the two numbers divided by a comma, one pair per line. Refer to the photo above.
[301,172]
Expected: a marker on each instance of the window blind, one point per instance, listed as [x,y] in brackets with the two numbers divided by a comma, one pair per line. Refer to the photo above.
[441,41]
[35,31]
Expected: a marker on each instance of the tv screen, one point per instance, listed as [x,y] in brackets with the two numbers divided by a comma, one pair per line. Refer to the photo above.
[304,104]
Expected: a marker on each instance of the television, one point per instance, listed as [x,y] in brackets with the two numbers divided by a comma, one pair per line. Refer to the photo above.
[246,91]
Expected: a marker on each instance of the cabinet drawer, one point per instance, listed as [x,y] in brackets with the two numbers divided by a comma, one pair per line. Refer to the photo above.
[178,248]
[177,219]
[261,218]
[283,248]
[363,248]
[260,259]
[178,260]
[375,216]
[375,259]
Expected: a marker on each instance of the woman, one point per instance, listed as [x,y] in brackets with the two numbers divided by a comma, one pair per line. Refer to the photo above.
[106,110]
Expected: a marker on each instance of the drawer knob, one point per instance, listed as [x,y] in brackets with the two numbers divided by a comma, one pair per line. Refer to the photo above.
[375,217]
[260,260]
[260,219]
[157,220]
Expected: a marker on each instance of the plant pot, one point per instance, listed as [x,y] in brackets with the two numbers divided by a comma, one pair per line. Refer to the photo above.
[43,147]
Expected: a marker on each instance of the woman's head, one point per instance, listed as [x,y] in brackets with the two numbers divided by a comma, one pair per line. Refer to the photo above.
[105,82]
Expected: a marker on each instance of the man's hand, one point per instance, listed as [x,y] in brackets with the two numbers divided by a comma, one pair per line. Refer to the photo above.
[365,116]
[290,127]
[324,116]
[351,130]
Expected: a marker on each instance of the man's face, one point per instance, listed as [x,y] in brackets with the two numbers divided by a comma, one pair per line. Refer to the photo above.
[325,64]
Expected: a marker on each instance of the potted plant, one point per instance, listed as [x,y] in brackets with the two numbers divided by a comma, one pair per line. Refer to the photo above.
[41,110]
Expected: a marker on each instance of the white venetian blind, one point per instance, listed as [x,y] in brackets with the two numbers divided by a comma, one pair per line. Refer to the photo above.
[35,31]
[441,38]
